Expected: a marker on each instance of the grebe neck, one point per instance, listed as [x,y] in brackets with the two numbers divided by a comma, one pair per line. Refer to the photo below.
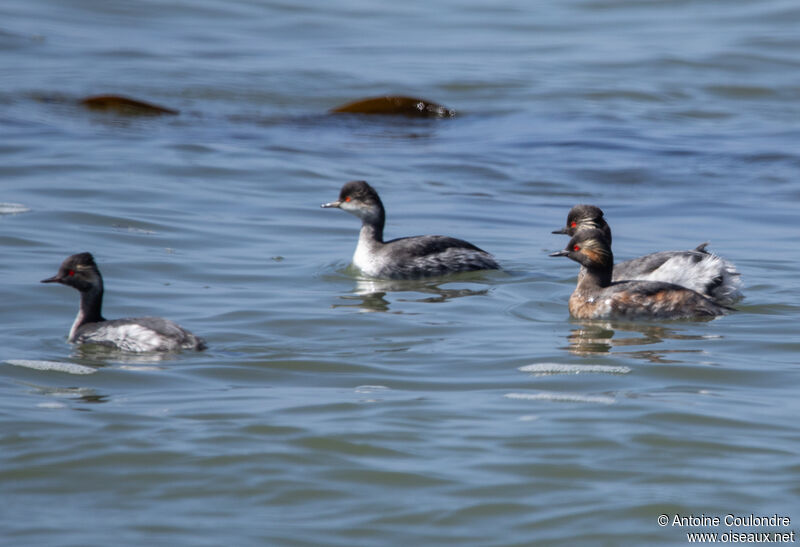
[595,277]
[90,310]
[372,228]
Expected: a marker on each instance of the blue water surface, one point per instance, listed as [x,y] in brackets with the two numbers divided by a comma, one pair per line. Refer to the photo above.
[336,410]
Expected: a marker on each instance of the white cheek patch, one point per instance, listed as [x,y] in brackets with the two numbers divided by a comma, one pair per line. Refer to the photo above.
[360,210]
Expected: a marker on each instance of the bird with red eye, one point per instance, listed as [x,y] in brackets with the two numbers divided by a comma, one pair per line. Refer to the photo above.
[597,297]
[696,269]
[584,217]
[406,257]
[578,248]
[141,334]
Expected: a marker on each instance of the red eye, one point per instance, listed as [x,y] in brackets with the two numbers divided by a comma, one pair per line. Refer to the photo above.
[576,248]
[347,198]
[573,224]
[71,273]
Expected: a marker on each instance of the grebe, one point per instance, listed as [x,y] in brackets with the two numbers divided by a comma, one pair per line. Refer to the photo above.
[142,334]
[697,269]
[407,257]
[598,297]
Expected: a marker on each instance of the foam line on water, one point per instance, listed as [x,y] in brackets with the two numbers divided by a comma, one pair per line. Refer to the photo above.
[58,366]
[12,208]
[561,397]
[563,368]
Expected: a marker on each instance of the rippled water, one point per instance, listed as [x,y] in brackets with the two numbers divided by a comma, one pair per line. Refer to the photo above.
[331,410]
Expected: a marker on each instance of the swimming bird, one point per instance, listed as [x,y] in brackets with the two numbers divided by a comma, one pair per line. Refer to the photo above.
[407,257]
[143,334]
[695,269]
[596,296]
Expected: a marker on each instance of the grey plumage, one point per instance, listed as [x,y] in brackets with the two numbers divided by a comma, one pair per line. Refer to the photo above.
[141,334]
[408,257]
[596,296]
[696,269]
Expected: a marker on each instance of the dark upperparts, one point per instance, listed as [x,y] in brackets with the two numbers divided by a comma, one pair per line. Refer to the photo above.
[432,244]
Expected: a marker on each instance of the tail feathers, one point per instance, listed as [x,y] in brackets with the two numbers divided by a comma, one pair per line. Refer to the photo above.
[711,276]
[702,248]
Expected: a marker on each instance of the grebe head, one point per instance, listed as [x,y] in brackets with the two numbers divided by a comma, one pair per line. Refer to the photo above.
[589,248]
[585,217]
[78,271]
[360,199]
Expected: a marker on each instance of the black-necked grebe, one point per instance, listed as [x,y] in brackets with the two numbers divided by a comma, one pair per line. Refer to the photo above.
[597,297]
[407,257]
[141,334]
[697,269]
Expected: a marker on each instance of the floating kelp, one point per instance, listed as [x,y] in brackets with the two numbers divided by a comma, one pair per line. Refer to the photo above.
[125,106]
[395,106]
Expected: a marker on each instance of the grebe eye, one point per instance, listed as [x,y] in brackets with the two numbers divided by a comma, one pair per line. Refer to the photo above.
[573,224]
[576,248]
[347,198]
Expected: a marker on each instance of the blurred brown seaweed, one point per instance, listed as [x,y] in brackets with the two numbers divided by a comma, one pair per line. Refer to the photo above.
[125,106]
[392,105]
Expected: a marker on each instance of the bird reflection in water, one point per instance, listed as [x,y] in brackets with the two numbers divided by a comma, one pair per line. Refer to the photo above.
[99,355]
[75,394]
[370,294]
[601,337]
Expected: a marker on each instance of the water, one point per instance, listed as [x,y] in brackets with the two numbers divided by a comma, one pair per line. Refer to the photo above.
[337,411]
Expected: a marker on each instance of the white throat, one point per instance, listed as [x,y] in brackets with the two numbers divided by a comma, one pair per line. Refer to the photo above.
[75,325]
[366,256]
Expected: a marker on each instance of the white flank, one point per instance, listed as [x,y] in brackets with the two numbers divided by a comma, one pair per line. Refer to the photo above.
[131,337]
